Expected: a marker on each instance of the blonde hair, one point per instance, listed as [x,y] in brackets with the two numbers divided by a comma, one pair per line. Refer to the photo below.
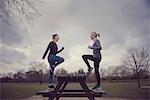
[96,34]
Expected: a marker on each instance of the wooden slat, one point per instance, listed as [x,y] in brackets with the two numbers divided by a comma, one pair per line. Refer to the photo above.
[47,92]
[64,94]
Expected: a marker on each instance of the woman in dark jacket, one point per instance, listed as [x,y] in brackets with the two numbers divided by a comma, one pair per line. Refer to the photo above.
[52,58]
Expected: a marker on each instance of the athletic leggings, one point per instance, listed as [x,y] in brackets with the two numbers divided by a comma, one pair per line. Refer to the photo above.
[53,60]
[96,65]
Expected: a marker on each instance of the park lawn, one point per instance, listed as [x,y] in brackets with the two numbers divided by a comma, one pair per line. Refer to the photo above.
[13,91]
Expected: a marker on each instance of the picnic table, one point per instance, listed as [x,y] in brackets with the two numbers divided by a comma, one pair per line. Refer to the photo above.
[60,91]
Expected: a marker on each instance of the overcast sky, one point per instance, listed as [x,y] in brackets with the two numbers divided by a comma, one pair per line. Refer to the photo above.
[121,24]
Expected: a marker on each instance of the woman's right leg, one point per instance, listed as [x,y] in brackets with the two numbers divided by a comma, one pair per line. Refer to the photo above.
[86,57]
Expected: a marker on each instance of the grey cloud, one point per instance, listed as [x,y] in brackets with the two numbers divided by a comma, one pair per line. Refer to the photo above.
[13,35]
[12,45]
[10,35]
[116,20]
[11,56]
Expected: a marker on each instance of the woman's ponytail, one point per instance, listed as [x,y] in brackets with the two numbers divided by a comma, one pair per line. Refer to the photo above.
[98,35]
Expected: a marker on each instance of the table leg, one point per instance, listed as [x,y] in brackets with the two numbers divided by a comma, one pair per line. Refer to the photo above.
[54,93]
[57,98]
[64,86]
[86,90]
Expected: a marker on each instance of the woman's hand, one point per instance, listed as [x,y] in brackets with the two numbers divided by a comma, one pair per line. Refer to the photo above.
[62,48]
[89,47]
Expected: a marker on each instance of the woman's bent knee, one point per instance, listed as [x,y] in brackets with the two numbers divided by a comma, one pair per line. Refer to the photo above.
[62,59]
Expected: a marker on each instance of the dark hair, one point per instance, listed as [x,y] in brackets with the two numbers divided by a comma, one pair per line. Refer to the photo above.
[54,35]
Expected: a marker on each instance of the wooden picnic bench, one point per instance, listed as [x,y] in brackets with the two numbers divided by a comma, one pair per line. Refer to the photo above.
[60,91]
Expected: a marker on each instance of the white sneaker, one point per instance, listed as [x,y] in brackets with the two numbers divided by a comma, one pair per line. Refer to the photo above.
[51,87]
[98,89]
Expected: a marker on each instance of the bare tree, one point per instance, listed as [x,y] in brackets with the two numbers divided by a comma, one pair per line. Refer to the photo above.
[111,71]
[81,71]
[19,76]
[10,74]
[21,9]
[137,58]
[39,68]
[122,71]
[118,72]
[61,72]
[103,72]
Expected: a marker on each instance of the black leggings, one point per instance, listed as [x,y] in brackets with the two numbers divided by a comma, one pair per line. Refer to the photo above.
[96,65]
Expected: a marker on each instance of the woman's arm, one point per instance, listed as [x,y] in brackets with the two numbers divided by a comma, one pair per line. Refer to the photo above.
[46,51]
[60,50]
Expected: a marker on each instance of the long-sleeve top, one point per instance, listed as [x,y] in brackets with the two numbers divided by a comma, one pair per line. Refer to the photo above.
[52,46]
[96,48]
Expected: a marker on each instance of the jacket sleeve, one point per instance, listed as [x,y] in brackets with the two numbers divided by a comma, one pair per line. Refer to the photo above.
[97,46]
[47,49]
[59,50]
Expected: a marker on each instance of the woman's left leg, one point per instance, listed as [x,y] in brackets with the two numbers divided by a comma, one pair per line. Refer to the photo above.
[51,75]
[97,74]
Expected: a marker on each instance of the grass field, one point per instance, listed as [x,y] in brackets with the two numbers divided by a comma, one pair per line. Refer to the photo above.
[13,91]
